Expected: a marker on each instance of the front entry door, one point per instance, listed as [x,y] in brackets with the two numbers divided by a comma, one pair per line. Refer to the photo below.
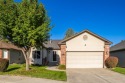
[37,57]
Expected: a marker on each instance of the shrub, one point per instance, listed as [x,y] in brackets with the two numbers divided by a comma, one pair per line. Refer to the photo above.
[62,67]
[4,63]
[111,62]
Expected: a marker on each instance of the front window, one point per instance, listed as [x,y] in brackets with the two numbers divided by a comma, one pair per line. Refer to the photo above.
[36,54]
[54,56]
[5,54]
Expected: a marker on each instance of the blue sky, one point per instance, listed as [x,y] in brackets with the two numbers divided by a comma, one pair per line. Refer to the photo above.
[103,17]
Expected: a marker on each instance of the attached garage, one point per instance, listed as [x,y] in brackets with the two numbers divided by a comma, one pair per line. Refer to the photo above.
[84,50]
[84,60]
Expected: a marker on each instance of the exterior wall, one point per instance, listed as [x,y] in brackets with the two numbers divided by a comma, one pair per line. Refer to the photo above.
[7,53]
[106,52]
[16,56]
[121,57]
[79,44]
[0,53]
[35,61]
[63,55]
[58,56]
[44,53]
[50,57]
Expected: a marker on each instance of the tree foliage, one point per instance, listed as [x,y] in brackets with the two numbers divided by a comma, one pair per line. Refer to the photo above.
[7,18]
[24,24]
[70,32]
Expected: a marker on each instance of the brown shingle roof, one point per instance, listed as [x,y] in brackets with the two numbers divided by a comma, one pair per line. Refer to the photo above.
[5,45]
[103,39]
[119,46]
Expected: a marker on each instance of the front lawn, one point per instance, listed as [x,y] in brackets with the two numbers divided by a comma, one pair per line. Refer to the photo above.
[119,70]
[36,71]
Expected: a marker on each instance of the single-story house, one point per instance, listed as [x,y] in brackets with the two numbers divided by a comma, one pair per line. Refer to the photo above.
[11,52]
[118,51]
[83,50]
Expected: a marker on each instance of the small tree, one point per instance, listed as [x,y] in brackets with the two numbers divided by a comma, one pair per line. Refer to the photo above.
[24,24]
[70,32]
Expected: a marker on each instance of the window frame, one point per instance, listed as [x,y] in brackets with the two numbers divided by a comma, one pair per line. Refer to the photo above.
[36,54]
[54,59]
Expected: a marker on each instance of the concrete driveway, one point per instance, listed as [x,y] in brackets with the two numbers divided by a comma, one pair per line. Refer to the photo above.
[94,76]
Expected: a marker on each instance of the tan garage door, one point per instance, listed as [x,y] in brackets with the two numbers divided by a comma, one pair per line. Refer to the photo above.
[84,60]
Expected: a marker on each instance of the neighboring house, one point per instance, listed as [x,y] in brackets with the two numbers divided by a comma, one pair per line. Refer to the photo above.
[118,51]
[11,52]
[83,50]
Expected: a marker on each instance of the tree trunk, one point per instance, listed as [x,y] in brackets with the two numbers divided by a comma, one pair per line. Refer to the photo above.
[26,55]
[27,64]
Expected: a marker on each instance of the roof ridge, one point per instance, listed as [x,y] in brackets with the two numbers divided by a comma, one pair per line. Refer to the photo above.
[118,46]
[123,41]
[86,30]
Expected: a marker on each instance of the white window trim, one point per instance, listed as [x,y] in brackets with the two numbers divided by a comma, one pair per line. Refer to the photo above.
[3,56]
[36,56]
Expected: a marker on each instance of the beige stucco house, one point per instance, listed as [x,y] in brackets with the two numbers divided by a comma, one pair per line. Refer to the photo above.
[83,50]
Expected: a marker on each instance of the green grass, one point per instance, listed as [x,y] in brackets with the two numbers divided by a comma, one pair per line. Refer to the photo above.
[35,71]
[119,70]
[62,67]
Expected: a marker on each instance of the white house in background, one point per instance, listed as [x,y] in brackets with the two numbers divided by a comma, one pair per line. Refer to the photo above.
[83,50]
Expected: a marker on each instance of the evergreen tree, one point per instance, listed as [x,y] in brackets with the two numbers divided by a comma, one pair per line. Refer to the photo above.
[70,32]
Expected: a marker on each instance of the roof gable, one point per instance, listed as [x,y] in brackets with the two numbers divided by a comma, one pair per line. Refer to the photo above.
[95,35]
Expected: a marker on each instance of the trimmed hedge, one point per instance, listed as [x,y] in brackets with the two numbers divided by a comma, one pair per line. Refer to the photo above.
[62,67]
[4,63]
[111,62]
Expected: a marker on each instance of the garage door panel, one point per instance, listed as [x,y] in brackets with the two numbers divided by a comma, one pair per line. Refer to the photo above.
[84,66]
[84,60]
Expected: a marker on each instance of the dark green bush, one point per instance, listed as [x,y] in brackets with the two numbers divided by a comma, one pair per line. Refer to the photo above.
[111,62]
[62,67]
[4,63]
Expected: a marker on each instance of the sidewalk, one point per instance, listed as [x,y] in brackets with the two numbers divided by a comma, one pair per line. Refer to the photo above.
[22,79]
